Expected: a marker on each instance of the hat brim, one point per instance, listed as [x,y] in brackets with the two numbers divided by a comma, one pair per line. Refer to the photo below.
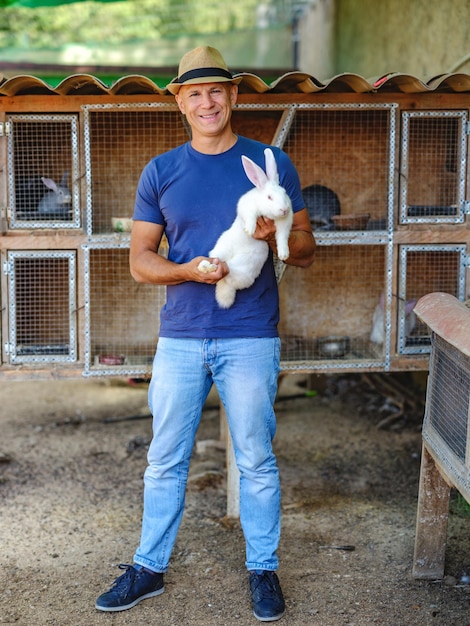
[174,87]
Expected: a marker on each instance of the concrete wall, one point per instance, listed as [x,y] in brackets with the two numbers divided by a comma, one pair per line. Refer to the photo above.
[316,35]
[374,37]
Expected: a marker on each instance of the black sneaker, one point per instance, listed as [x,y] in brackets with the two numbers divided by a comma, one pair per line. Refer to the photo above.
[130,588]
[266,593]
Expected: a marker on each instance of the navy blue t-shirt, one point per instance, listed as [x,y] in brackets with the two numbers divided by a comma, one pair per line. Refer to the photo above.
[194,196]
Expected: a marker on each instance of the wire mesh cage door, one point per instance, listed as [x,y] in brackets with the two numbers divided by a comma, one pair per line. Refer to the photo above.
[446,422]
[433,166]
[425,269]
[42,306]
[119,141]
[43,171]
[328,315]
[345,158]
[121,315]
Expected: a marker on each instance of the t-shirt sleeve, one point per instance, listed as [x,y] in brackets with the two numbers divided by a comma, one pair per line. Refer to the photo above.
[289,179]
[147,206]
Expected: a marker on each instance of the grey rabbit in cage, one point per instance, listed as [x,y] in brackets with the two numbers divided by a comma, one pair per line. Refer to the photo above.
[28,194]
[56,201]
[322,204]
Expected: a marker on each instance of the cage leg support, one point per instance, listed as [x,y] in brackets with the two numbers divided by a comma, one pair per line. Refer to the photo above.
[431,520]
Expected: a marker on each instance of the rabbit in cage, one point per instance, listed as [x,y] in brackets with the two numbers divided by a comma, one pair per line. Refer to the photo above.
[378,320]
[58,199]
[322,204]
[245,255]
[28,194]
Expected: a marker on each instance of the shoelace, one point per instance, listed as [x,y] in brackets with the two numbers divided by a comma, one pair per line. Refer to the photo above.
[125,578]
[266,585]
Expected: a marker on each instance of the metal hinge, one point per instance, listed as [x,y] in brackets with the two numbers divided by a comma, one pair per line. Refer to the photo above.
[5,129]
[467,128]
[7,268]
[5,213]
[466,260]
[7,348]
[466,207]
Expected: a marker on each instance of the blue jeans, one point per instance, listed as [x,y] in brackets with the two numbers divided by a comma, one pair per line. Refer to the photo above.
[245,373]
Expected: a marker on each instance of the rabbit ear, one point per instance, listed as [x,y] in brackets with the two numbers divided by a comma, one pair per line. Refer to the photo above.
[271,167]
[409,306]
[254,172]
[63,182]
[49,183]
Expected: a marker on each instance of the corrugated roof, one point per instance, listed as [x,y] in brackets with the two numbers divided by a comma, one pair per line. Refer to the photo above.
[291,82]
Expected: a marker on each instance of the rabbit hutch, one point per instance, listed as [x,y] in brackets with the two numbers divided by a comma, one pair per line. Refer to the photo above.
[445,459]
[385,175]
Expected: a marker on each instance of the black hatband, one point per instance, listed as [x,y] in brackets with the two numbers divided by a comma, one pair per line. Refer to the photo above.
[204,72]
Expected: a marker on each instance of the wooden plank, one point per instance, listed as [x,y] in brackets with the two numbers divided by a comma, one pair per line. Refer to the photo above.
[49,371]
[409,362]
[431,521]
[63,104]
[401,363]
[70,104]
[438,234]
[42,240]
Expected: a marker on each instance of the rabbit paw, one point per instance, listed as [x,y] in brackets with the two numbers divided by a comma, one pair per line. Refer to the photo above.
[250,227]
[206,267]
[283,253]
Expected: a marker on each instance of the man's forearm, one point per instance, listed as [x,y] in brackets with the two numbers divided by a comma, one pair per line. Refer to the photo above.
[301,248]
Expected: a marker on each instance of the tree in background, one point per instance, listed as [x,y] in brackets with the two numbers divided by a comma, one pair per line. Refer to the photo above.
[24,24]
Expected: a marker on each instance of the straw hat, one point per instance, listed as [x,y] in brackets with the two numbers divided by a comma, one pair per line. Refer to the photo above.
[201,65]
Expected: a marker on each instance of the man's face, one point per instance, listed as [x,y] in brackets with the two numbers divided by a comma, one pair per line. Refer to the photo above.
[208,106]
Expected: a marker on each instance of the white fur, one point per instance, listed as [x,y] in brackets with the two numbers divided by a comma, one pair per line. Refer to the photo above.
[244,255]
[206,267]
[378,321]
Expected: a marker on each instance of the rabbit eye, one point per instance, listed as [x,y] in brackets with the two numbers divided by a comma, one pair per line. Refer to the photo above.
[270,197]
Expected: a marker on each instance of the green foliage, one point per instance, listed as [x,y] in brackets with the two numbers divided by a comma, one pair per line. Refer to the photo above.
[115,22]
[459,505]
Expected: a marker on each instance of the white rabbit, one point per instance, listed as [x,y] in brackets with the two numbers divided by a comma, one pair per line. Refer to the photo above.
[58,199]
[245,255]
[378,321]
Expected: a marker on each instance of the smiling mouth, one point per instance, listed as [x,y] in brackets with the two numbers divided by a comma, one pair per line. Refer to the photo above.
[209,117]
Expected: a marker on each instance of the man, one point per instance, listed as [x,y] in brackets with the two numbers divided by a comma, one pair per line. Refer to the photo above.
[190,195]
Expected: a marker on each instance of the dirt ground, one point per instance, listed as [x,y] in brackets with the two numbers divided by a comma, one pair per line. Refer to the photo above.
[72,456]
